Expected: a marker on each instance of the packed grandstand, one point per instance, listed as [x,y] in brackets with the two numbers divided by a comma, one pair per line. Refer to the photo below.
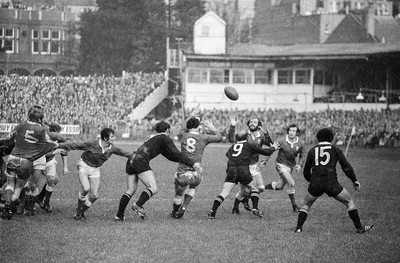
[94,102]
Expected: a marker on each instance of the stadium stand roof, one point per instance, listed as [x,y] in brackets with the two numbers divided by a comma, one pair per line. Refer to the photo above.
[301,52]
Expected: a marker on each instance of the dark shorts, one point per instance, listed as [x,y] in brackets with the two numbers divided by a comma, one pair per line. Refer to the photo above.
[238,174]
[21,167]
[328,184]
[137,166]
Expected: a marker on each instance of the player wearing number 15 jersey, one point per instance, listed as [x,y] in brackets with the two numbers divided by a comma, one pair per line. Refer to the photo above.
[320,171]
[193,144]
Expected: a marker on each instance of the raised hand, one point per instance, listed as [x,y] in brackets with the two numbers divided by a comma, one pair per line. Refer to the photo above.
[234,120]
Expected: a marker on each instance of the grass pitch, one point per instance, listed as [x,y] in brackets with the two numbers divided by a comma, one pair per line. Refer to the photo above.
[328,236]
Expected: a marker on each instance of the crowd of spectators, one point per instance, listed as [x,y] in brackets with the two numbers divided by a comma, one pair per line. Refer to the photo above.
[93,101]
[370,125]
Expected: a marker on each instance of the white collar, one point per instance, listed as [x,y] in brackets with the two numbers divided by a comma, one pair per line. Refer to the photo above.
[324,143]
[104,149]
[291,143]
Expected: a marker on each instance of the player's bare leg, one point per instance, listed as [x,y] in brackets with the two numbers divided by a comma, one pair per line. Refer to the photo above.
[254,198]
[345,198]
[93,195]
[83,193]
[148,179]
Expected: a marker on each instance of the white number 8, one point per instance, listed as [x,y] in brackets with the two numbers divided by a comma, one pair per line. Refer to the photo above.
[191,145]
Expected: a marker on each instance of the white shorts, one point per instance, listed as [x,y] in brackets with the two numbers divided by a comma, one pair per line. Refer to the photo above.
[89,171]
[256,173]
[51,167]
[40,164]
[281,169]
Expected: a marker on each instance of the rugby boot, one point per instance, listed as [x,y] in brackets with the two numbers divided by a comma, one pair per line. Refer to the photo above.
[211,215]
[116,218]
[258,213]
[6,213]
[139,211]
[364,229]
[180,212]
[235,211]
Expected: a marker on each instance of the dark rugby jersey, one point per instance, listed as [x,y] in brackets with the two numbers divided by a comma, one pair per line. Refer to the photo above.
[6,147]
[289,151]
[94,155]
[31,141]
[241,152]
[56,137]
[259,139]
[322,159]
[160,143]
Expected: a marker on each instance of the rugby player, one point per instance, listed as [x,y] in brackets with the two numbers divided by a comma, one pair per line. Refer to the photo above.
[258,137]
[31,143]
[238,171]
[51,172]
[193,144]
[291,148]
[95,153]
[138,168]
[320,171]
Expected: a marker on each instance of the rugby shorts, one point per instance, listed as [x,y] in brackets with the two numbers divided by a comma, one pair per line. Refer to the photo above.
[40,164]
[89,171]
[327,183]
[138,165]
[191,178]
[238,174]
[18,167]
[51,167]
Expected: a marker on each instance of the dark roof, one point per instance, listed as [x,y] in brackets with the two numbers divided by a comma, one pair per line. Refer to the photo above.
[388,28]
[350,30]
[293,52]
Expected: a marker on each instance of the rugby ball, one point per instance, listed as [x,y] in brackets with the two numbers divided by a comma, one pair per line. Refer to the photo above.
[231,93]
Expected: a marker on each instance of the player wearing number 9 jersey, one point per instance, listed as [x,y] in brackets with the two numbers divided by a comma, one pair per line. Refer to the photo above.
[320,171]
[238,171]
[193,144]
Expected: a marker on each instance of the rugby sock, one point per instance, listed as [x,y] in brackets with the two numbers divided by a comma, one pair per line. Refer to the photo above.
[236,203]
[123,203]
[144,197]
[292,199]
[42,193]
[355,217]
[301,219]
[48,192]
[186,200]
[217,202]
[175,208]
[254,200]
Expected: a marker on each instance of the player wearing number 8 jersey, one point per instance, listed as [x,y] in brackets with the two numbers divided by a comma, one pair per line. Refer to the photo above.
[320,171]
[193,144]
